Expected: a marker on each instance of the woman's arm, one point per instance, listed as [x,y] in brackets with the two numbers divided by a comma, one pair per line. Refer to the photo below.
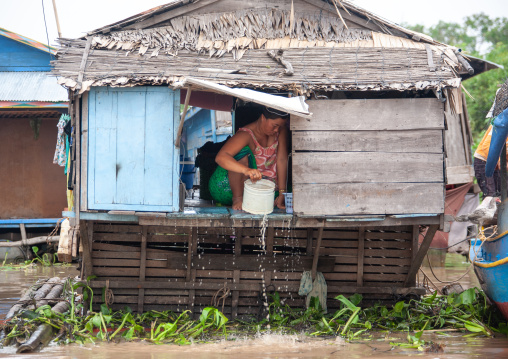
[225,157]
[282,165]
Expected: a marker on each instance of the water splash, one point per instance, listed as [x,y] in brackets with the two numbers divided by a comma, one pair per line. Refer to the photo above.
[264,225]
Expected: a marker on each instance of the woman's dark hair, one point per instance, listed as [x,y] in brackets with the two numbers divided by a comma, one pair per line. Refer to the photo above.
[272,114]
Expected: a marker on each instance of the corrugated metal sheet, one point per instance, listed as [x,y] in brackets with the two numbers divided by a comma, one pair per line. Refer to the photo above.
[30,86]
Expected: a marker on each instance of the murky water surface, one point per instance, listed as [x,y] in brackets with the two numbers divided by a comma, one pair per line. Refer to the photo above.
[12,283]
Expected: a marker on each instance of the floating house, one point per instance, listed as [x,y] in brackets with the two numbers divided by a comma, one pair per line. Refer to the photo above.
[372,105]
[32,188]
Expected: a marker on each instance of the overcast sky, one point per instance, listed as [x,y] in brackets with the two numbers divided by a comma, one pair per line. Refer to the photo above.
[79,16]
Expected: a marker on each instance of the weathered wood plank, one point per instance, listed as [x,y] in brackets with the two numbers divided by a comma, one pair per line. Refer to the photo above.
[361,252]
[368,198]
[87,250]
[117,237]
[459,174]
[350,288]
[417,141]
[219,262]
[118,228]
[236,294]
[83,134]
[363,167]
[142,268]
[299,222]
[372,115]
[418,258]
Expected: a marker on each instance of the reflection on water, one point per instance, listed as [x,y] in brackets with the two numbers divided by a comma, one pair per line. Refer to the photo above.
[265,345]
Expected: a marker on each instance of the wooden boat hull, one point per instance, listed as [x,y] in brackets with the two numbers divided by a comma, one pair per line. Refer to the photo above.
[491,267]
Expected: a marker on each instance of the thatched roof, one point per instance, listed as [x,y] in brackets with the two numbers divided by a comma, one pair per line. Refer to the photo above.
[239,48]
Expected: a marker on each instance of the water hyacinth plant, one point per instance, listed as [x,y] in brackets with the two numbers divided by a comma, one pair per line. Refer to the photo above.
[468,312]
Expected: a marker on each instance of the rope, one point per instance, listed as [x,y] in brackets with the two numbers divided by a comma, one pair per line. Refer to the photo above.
[55,230]
[481,235]
[109,297]
[225,293]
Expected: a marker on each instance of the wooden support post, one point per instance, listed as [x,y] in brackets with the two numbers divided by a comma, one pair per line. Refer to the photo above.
[189,254]
[192,294]
[191,273]
[22,229]
[77,164]
[238,241]
[194,240]
[182,119]
[361,252]
[142,268]
[316,253]
[270,233]
[236,294]
[414,250]
[310,238]
[82,139]
[418,259]
[82,67]
[86,233]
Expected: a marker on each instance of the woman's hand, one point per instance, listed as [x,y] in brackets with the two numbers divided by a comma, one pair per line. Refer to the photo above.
[254,174]
[279,201]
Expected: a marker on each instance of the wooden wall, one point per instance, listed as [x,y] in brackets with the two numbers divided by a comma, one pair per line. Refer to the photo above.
[372,156]
[179,268]
[458,140]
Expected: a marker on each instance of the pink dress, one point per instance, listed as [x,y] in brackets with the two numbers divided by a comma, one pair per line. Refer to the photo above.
[266,157]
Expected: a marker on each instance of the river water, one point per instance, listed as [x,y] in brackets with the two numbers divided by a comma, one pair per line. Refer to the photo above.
[273,345]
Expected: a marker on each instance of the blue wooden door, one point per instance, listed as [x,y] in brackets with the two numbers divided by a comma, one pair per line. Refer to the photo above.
[132,160]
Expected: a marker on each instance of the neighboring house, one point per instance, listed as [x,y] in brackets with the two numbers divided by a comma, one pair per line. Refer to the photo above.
[370,158]
[32,188]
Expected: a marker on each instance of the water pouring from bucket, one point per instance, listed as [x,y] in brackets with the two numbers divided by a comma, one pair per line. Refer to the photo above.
[258,197]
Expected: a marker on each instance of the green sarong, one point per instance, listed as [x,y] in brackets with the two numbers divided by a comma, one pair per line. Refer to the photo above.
[219,182]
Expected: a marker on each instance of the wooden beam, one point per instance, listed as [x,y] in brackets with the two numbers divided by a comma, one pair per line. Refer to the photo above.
[182,118]
[361,253]
[82,67]
[414,249]
[316,253]
[142,269]
[238,241]
[192,292]
[83,153]
[182,10]
[250,287]
[189,254]
[310,238]
[87,263]
[236,294]
[270,231]
[418,259]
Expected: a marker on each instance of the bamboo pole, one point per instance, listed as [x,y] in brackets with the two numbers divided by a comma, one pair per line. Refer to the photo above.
[56,18]
[30,241]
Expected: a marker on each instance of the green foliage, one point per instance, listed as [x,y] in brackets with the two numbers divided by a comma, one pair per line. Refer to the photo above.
[468,312]
[481,36]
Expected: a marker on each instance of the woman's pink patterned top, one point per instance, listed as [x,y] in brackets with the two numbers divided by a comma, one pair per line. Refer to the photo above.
[266,157]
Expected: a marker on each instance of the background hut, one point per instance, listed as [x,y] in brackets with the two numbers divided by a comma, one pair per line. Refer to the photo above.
[369,166]
[32,188]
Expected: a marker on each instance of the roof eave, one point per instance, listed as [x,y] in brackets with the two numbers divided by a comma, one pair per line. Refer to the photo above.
[480,66]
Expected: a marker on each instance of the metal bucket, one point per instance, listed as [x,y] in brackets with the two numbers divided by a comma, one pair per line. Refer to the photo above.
[258,197]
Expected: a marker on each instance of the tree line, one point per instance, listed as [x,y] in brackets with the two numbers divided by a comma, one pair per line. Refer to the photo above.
[484,37]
